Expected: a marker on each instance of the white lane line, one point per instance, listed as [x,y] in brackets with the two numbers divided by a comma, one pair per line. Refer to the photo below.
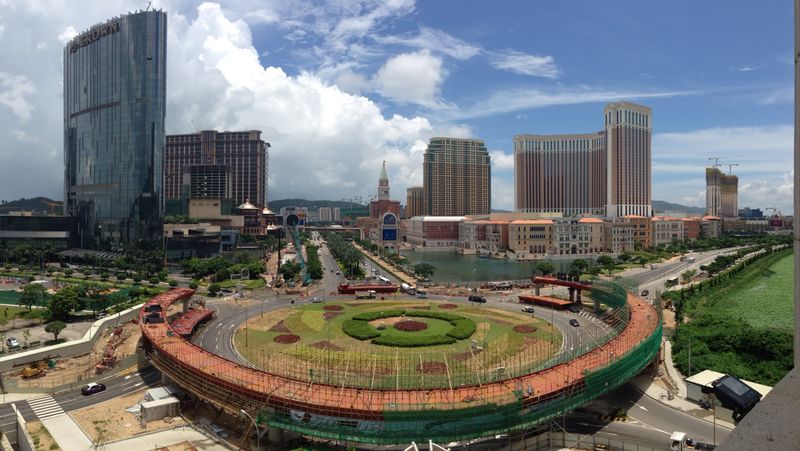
[640,406]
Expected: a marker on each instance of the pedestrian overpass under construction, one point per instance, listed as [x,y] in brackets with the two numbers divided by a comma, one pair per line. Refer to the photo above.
[330,406]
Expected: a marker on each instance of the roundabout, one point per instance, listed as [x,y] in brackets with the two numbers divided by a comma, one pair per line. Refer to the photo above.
[395,344]
[327,384]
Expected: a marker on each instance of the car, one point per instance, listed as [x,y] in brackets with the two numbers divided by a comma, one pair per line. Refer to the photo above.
[12,343]
[574,308]
[478,299]
[316,300]
[645,293]
[92,388]
[338,273]
[574,323]
[218,430]
[527,309]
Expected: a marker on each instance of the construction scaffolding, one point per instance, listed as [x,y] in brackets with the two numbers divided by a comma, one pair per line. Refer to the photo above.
[416,407]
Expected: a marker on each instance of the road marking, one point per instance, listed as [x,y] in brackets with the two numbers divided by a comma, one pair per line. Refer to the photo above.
[639,406]
[231,326]
[607,433]
[138,384]
[128,376]
[45,407]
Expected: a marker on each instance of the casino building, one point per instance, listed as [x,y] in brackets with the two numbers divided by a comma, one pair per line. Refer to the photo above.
[114,108]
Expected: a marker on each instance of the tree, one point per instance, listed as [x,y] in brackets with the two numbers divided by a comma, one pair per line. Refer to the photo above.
[546,268]
[424,270]
[55,328]
[624,257]
[193,285]
[153,281]
[66,300]
[32,294]
[607,263]
[687,275]
[289,270]
[172,283]
[213,289]
[26,335]
[580,264]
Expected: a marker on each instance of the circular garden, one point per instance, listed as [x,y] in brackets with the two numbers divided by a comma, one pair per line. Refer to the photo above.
[407,344]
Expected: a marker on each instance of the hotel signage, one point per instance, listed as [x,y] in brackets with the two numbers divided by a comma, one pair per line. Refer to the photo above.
[93,35]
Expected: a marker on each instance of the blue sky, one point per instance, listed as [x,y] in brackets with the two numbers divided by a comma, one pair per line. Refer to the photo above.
[340,86]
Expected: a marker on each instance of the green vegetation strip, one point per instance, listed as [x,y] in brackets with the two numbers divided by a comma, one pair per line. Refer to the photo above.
[359,328]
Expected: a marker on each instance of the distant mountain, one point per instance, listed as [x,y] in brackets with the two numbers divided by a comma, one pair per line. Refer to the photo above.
[661,206]
[41,205]
[276,205]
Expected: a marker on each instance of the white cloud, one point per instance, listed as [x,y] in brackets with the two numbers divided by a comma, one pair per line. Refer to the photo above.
[411,78]
[502,161]
[525,64]
[502,194]
[22,136]
[67,35]
[512,100]
[733,143]
[15,90]
[773,192]
[435,40]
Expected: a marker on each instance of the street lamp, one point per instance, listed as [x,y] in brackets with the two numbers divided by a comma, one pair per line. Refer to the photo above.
[255,425]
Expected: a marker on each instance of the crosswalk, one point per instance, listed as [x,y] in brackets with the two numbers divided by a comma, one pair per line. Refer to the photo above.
[45,407]
[586,314]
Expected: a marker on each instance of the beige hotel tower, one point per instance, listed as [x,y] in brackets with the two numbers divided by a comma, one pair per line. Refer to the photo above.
[606,172]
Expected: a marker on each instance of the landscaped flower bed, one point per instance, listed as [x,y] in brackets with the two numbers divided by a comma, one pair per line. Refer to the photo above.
[448,306]
[432,368]
[333,308]
[410,326]
[524,329]
[286,339]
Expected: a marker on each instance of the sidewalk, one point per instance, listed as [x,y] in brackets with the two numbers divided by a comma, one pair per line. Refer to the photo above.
[166,438]
[67,433]
[386,266]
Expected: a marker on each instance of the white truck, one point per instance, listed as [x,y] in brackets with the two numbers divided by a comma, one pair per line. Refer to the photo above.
[677,441]
[365,294]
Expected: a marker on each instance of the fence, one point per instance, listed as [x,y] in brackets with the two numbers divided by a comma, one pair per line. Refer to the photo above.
[69,380]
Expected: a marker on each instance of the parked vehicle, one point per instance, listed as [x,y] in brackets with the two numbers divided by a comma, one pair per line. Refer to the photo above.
[645,293]
[12,343]
[478,299]
[316,300]
[218,430]
[422,294]
[92,388]
[677,441]
[574,308]
[366,294]
[527,309]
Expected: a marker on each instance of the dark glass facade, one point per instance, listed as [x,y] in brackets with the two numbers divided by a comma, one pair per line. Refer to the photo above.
[114,108]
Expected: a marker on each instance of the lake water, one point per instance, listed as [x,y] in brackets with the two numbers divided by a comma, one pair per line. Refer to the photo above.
[451,267]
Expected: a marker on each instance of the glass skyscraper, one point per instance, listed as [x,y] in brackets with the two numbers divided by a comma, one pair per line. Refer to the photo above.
[114,108]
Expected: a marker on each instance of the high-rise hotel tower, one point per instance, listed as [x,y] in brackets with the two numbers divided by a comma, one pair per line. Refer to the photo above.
[607,172]
[456,177]
[114,108]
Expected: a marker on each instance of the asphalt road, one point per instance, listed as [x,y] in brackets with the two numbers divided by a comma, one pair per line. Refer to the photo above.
[116,386]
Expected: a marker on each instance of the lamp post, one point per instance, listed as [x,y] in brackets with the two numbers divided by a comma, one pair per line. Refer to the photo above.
[255,425]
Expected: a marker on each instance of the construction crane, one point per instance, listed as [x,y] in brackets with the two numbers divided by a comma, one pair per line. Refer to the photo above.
[716,160]
[730,167]
[775,211]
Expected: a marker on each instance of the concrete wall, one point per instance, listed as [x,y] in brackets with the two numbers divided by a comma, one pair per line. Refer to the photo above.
[24,441]
[70,348]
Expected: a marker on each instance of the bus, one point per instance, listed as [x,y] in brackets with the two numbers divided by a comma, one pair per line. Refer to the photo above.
[671,282]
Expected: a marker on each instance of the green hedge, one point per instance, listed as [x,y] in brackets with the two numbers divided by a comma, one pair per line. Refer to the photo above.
[372,316]
[462,328]
[360,330]
[412,341]
[435,315]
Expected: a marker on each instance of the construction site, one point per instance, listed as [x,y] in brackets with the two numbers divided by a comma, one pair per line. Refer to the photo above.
[354,400]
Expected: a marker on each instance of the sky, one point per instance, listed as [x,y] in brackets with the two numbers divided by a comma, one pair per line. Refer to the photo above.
[337,87]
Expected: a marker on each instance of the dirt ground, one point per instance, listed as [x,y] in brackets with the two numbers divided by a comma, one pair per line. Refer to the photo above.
[82,367]
[109,421]
[182,446]
[42,439]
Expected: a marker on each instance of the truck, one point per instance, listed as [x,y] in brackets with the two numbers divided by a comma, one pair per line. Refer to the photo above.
[365,294]
[406,288]
[677,441]
[671,282]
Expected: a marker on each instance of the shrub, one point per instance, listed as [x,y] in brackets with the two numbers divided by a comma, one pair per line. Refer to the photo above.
[462,328]
[435,315]
[360,330]
[172,283]
[372,316]
[413,341]
[193,285]
[286,339]
[410,326]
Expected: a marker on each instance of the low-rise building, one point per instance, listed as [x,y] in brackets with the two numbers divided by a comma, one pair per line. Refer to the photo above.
[691,228]
[530,238]
[711,226]
[666,230]
[438,232]
[642,229]
[619,237]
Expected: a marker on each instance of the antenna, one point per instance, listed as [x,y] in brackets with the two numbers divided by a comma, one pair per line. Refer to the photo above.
[716,160]
[730,167]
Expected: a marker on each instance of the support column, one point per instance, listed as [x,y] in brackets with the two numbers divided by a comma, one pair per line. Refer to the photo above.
[579,297]
[536,289]
[571,294]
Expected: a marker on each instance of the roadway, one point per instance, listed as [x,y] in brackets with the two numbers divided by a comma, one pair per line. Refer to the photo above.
[120,385]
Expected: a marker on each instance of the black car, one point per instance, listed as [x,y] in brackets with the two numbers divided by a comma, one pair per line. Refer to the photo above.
[574,323]
[92,388]
[574,308]
[645,293]
[478,299]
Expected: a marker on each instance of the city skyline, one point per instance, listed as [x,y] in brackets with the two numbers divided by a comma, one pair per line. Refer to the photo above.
[267,66]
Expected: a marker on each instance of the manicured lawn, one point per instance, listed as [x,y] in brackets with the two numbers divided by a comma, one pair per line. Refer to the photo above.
[8,312]
[766,299]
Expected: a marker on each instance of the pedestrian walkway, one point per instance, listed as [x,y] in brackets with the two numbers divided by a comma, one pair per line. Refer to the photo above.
[166,438]
[45,407]
[67,434]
